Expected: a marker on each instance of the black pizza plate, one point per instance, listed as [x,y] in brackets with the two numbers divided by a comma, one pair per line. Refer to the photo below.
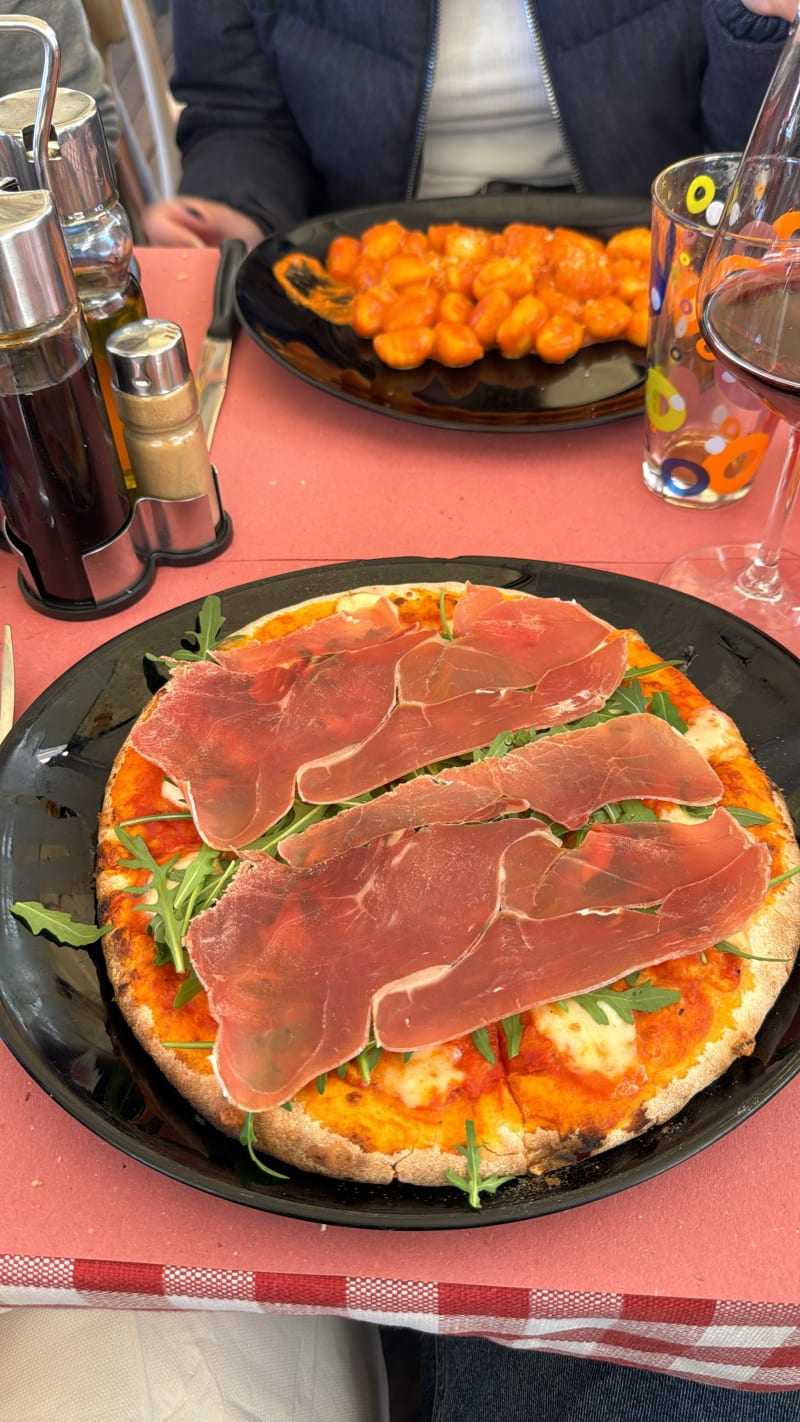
[56,1010]
[603,382]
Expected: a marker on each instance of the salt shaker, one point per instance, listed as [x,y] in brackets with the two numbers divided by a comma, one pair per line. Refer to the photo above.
[156,399]
[81,178]
[61,485]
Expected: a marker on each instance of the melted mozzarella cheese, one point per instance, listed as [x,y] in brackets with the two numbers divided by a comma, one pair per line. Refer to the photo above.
[585,1044]
[711,732]
[357,602]
[431,1073]
[173,794]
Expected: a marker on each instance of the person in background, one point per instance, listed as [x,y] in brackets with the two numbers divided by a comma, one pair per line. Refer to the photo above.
[81,65]
[292,110]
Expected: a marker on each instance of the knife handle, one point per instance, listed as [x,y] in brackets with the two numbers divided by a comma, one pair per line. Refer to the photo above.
[223,320]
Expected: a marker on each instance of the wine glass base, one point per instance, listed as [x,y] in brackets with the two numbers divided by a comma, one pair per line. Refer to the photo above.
[713,575]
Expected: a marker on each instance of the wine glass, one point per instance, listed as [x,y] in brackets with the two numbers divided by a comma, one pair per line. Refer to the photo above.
[748,304]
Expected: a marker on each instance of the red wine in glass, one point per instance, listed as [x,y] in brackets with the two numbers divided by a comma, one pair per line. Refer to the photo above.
[752,323]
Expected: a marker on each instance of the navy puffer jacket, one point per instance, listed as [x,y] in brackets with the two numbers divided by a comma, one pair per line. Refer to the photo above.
[302,106]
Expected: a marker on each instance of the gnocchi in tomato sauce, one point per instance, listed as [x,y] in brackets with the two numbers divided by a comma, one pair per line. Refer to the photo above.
[454,292]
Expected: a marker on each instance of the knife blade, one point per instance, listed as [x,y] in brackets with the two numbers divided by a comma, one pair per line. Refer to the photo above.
[215,352]
[7,685]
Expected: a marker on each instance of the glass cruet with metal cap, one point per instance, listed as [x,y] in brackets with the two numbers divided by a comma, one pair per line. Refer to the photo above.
[80,176]
[61,485]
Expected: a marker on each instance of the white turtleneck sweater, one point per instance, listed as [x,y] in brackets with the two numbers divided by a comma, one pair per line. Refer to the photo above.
[489,115]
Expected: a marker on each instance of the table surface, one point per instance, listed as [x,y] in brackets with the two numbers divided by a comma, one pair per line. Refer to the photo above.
[308,479]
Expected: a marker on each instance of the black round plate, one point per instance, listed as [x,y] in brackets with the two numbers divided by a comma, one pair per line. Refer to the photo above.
[602,382]
[56,1010]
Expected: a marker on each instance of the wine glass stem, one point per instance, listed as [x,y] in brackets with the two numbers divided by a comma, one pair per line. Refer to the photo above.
[762,578]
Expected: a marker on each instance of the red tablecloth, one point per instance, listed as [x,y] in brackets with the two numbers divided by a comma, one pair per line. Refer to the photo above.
[696,1271]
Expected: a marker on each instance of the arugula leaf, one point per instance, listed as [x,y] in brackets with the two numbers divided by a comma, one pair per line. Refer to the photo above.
[644,996]
[747,817]
[498,747]
[368,1059]
[60,926]
[247,1138]
[294,821]
[633,672]
[624,811]
[481,1040]
[662,705]
[781,878]
[472,1185]
[200,884]
[205,636]
[188,989]
[445,629]
[740,813]
[152,819]
[725,947]
[322,1082]
[164,923]
[189,1046]
[634,812]
[512,1030]
[627,700]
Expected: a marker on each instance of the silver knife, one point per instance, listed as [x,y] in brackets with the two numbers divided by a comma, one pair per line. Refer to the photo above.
[215,352]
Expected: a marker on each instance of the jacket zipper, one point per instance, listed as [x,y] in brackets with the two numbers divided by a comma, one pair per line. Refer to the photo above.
[422,117]
[549,89]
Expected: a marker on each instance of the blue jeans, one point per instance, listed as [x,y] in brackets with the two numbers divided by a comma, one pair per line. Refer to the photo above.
[474,1380]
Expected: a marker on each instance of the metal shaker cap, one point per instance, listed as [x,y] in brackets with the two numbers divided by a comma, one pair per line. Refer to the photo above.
[148,358]
[36,281]
[79,167]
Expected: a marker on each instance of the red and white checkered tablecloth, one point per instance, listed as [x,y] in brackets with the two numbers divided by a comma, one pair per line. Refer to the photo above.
[753,1347]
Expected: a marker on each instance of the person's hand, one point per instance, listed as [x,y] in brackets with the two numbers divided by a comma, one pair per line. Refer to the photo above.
[784,9]
[196,222]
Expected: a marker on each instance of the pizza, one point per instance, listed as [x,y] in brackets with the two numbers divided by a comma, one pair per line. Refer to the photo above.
[452,293]
[411,883]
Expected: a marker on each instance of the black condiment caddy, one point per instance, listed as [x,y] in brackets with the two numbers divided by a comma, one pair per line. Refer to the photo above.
[85,550]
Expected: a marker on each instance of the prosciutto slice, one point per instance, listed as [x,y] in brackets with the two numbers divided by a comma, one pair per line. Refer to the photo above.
[508,644]
[445,930]
[322,710]
[291,959]
[414,735]
[232,741]
[712,877]
[563,777]
[368,620]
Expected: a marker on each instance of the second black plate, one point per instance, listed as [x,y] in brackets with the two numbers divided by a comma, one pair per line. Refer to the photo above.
[602,382]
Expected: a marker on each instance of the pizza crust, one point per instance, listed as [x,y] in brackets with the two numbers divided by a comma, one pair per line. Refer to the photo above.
[300,1139]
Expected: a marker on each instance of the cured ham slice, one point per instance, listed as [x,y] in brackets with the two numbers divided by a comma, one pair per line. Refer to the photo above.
[321,710]
[442,931]
[232,742]
[629,866]
[415,735]
[476,599]
[509,644]
[292,959]
[367,620]
[563,777]
[717,877]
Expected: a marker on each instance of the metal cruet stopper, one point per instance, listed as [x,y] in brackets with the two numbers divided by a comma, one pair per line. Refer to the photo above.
[37,285]
[79,169]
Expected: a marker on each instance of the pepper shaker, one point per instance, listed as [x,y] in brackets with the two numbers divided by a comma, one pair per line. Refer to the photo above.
[156,399]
